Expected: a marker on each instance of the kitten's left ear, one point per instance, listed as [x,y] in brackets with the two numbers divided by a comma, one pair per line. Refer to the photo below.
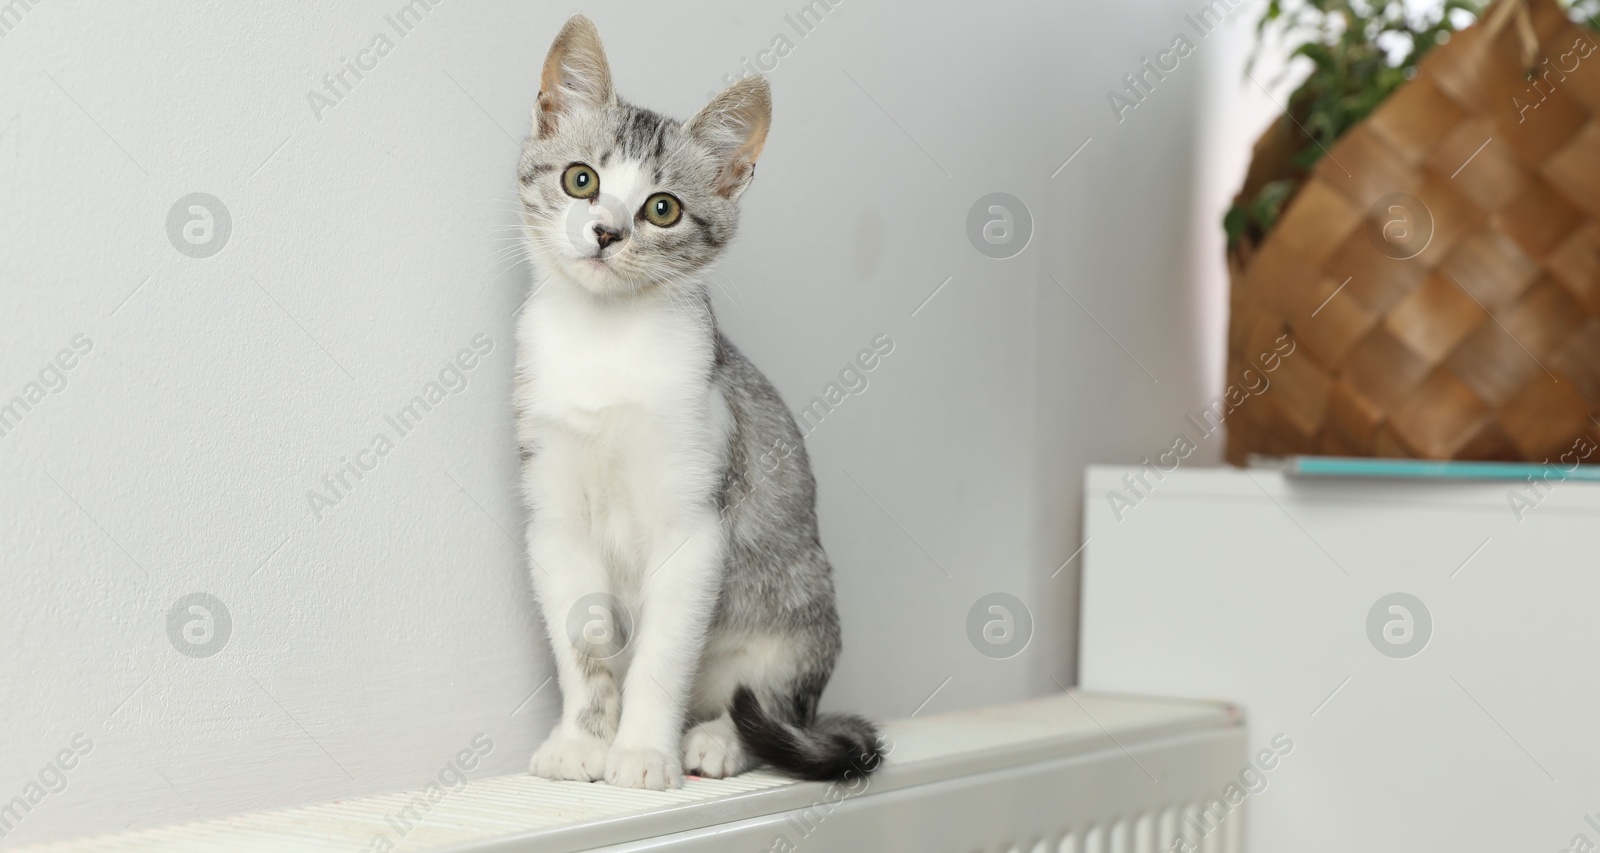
[734,126]
[576,75]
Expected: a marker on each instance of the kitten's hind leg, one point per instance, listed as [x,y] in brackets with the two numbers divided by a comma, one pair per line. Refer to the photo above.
[585,632]
[711,749]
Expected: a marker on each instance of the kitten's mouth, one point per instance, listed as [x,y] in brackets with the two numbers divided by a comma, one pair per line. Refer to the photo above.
[604,255]
[595,273]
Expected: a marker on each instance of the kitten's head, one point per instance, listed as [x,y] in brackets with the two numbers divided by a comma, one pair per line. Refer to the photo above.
[618,198]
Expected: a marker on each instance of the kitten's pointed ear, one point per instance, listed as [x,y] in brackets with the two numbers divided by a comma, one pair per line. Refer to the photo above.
[576,75]
[734,126]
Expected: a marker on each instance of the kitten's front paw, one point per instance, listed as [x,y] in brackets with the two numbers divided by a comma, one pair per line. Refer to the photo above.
[643,768]
[578,758]
[712,750]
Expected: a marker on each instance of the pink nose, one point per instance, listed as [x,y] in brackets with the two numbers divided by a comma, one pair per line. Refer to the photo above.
[606,235]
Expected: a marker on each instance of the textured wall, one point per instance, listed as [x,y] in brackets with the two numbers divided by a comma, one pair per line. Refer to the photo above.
[199,367]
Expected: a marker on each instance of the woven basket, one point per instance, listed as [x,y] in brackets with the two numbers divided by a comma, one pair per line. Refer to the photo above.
[1439,269]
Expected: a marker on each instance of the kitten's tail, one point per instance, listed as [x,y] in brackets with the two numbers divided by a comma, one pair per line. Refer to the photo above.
[831,748]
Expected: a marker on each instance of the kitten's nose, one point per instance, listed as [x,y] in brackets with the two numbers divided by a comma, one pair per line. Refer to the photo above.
[605,234]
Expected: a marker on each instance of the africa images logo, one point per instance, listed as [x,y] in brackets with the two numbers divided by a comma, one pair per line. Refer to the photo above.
[199,225]
[199,625]
[1399,625]
[999,625]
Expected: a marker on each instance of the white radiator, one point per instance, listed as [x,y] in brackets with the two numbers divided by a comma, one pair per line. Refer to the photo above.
[1072,773]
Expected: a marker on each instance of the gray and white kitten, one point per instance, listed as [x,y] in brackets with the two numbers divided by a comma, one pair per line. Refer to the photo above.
[691,612]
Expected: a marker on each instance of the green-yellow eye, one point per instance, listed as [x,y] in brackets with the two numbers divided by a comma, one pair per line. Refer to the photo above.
[580,181]
[662,210]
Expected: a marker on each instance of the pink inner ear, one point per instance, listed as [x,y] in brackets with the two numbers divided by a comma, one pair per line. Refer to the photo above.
[734,174]
[740,166]
[574,72]
[547,108]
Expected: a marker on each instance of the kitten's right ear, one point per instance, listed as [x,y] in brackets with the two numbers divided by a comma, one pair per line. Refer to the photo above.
[576,75]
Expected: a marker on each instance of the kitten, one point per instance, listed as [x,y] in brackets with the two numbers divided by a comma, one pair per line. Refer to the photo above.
[691,614]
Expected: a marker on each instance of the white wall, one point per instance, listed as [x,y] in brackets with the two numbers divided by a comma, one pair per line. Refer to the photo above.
[1139,340]
[370,646]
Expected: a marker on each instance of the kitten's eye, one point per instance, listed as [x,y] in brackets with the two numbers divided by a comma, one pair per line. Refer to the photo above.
[662,210]
[580,181]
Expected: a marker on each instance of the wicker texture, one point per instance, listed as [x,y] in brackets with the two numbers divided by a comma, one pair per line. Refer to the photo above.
[1486,343]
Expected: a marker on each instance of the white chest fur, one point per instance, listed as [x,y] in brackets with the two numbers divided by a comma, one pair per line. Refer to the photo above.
[583,356]
[616,399]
